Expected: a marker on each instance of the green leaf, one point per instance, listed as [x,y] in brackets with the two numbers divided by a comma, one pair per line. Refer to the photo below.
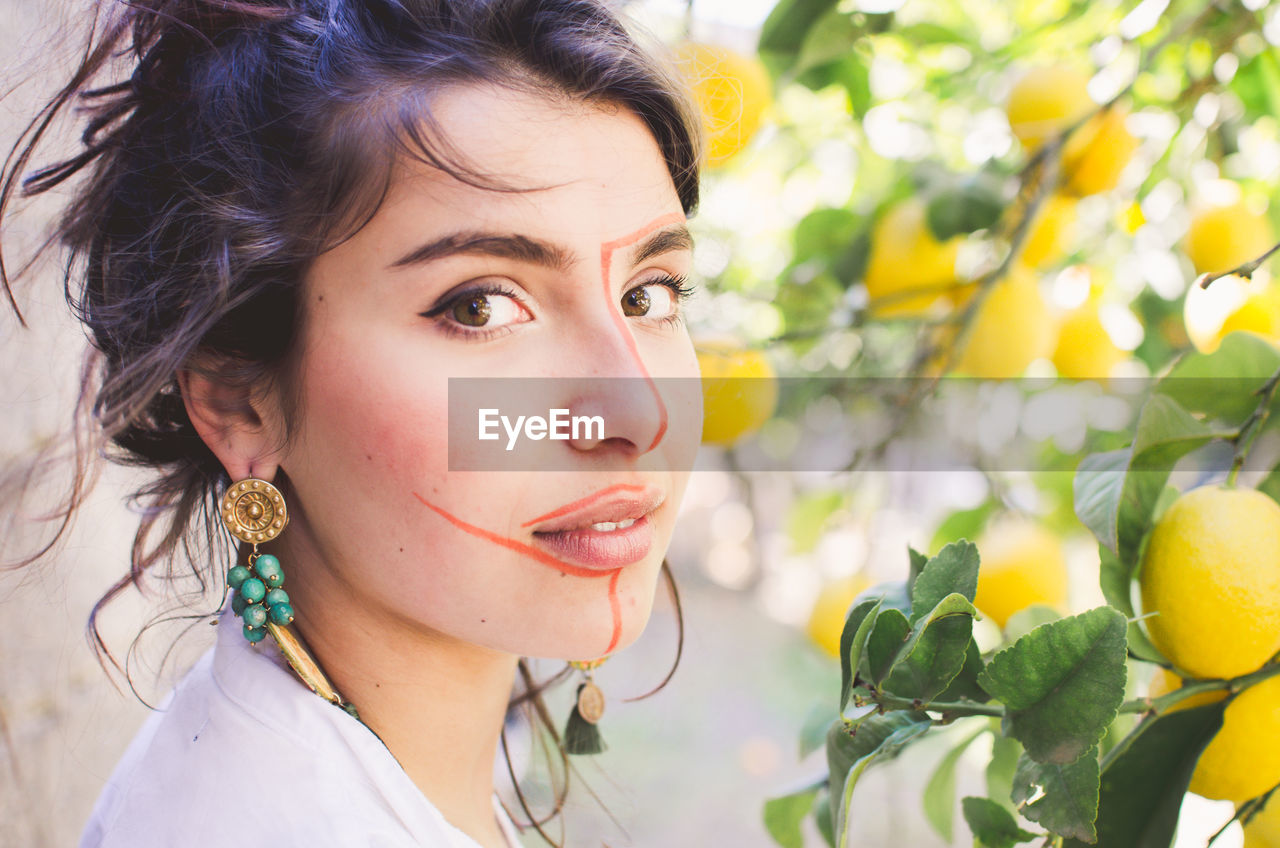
[954,569]
[1024,621]
[992,825]
[889,634]
[1116,493]
[1270,485]
[808,516]
[813,731]
[963,524]
[853,641]
[1062,684]
[822,815]
[1004,762]
[848,756]
[783,817]
[940,792]
[965,685]
[1099,484]
[1145,777]
[831,37]
[789,23]
[935,652]
[824,233]
[1117,582]
[1221,384]
[1063,798]
[974,203]
[917,563]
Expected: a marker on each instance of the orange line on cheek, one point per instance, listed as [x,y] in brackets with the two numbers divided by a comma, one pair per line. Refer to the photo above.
[606,256]
[616,609]
[511,544]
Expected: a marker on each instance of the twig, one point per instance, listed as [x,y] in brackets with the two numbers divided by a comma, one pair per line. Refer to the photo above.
[1246,270]
[1252,426]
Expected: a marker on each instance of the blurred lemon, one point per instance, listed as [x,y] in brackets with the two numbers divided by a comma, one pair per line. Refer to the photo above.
[1085,350]
[1166,681]
[905,257]
[826,620]
[1224,237]
[1097,153]
[1211,573]
[1052,233]
[1013,326]
[1231,303]
[1022,564]
[1263,830]
[739,392]
[732,89]
[1130,218]
[1242,761]
[1046,100]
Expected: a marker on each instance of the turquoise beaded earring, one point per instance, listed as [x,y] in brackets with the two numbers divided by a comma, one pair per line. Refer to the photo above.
[254,511]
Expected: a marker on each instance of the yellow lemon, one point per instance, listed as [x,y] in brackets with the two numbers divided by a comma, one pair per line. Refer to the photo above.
[1022,564]
[1085,350]
[1211,575]
[826,620]
[1052,233]
[732,90]
[1230,303]
[1046,100]
[1166,681]
[1263,830]
[1097,153]
[1012,327]
[1224,237]
[739,392]
[904,258]
[1242,761]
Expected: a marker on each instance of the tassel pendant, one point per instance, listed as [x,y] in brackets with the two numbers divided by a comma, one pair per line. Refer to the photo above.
[581,735]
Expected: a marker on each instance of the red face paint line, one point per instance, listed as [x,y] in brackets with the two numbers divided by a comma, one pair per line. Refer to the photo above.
[630,488]
[606,257]
[544,558]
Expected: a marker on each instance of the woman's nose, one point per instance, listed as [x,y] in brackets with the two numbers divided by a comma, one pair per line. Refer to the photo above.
[615,393]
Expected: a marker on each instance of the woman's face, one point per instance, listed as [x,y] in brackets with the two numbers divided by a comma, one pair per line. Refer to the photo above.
[573,281]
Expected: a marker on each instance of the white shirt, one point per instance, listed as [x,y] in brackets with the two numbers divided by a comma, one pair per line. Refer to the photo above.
[242,753]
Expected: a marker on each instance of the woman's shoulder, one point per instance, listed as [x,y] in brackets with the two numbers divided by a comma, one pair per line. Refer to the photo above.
[242,753]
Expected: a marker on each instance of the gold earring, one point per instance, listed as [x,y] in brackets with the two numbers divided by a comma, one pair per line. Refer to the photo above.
[581,733]
[254,512]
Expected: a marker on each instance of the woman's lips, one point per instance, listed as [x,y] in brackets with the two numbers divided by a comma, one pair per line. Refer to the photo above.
[608,529]
[597,548]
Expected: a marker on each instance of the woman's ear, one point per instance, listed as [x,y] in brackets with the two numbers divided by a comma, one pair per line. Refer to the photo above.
[239,431]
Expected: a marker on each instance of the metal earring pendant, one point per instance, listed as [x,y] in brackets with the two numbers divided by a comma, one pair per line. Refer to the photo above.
[254,512]
[581,733]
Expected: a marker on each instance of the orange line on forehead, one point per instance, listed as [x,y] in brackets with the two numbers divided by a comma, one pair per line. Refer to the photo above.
[606,258]
[513,545]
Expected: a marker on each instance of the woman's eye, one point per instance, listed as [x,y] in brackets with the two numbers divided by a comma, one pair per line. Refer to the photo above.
[485,309]
[658,299]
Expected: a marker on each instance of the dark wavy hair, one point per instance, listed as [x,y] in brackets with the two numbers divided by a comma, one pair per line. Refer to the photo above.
[227,143]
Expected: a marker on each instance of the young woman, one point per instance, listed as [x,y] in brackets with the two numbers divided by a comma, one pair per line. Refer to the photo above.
[293,222]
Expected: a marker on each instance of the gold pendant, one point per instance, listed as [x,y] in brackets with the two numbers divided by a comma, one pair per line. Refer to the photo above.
[590,702]
[254,511]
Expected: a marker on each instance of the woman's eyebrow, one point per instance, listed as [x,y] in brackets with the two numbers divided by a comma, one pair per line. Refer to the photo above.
[663,241]
[501,245]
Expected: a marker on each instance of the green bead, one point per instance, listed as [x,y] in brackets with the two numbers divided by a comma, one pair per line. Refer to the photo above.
[254,635]
[255,616]
[282,614]
[276,596]
[268,568]
[237,575]
[238,604]
[252,590]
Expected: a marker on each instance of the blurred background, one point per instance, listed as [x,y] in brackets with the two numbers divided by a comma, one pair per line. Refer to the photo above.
[898,191]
